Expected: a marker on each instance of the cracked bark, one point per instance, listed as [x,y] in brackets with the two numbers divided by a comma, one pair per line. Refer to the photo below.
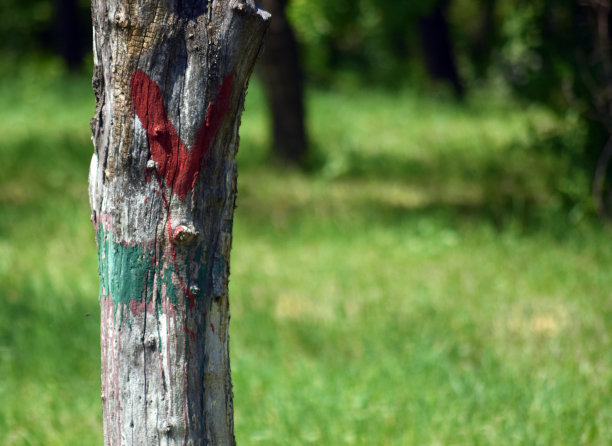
[170,78]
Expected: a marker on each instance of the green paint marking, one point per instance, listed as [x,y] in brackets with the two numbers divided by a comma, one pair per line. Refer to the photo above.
[125,271]
[166,276]
[129,272]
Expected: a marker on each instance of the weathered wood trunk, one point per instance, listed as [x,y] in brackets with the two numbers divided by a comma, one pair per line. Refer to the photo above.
[170,79]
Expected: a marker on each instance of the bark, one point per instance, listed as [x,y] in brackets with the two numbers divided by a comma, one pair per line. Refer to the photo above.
[281,72]
[170,78]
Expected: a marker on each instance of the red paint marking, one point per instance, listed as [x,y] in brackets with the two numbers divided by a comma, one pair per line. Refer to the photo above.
[191,333]
[178,166]
[212,327]
[146,199]
[137,307]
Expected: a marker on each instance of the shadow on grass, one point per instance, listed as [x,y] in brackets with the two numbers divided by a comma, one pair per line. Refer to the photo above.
[513,189]
[518,186]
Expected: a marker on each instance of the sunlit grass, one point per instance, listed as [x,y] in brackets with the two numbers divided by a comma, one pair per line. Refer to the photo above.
[420,285]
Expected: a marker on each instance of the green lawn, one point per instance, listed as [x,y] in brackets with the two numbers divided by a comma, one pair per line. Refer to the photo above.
[425,283]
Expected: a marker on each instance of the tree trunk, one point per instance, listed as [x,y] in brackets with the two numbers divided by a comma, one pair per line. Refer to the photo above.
[281,72]
[438,48]
[485,39]
[72,41]
[170,78]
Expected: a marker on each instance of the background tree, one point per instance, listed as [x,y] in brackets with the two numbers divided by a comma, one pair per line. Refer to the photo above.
[62,27]
[597,18]
[558,54]
[170,81]
[281,73]
[438,47]
[72,32]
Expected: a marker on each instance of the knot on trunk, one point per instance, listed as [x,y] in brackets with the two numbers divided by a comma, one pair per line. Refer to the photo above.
[184,233]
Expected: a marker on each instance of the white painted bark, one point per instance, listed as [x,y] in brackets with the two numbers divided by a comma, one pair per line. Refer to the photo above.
[164,244]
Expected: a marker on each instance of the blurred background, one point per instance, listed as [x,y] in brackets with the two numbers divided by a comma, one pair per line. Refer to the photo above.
[421,249]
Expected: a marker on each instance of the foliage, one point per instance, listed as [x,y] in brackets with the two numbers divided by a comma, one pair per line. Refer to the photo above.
[560,53]
[23,23]
[30,27]
[421,286]
[376,39]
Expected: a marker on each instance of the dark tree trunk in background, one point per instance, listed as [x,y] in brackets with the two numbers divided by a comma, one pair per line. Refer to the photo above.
[170,79]
[282,76]
[596,18]
[437,47]
[485,38]
[72,39]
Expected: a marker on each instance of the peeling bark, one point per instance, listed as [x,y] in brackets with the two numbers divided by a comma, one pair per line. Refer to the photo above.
[170,78]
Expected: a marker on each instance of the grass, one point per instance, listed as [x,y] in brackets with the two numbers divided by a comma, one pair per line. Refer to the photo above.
[424,284]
